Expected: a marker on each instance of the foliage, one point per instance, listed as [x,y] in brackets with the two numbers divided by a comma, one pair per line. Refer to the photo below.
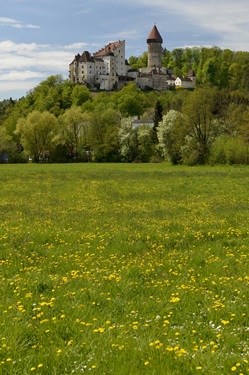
[171,135]
[218,106]
[131,101]
[128,140]
[158,116]
[136,142]
[73,132]
[6,145]
[37,132]
[229,150]
[201,125]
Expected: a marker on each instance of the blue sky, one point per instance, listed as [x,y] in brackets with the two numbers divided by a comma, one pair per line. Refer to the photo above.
[39,38]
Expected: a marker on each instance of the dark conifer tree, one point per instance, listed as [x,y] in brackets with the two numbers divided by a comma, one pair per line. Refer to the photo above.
[158,116]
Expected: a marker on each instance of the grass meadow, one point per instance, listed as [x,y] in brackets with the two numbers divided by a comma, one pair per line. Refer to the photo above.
[124,269]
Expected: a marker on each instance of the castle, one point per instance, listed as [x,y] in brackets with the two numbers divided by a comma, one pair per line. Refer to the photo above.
[108,68]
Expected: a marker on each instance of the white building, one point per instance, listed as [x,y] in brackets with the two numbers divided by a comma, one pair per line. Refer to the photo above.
[108,68]
[101,70]
[188,82]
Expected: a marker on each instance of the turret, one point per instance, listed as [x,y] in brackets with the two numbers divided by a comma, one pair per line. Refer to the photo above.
[154,41]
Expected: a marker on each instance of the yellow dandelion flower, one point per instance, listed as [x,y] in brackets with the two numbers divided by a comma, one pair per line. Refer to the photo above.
[225,322]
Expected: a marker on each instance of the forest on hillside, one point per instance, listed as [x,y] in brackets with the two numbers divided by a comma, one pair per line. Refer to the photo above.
[61,122]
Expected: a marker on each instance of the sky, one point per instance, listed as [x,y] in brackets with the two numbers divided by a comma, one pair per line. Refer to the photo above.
[39,38]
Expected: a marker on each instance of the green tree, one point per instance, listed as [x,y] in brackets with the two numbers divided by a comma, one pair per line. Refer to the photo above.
[201,124]
[229,150]
[128,140]
[176,58]
[37,132]
[131,101]
[80,95]
[6,143]
[145,143]
[171,134]
[211,70]
[158,115]
[47,95]
[104,122]
[73,132]
[166,58]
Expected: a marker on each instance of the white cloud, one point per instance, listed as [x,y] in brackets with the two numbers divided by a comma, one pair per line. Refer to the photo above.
[7,46]
[18,75]
[6,20]
[35,56]
[23,66]
[11,22]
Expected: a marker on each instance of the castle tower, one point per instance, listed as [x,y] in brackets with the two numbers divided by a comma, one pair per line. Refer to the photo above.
[154,41]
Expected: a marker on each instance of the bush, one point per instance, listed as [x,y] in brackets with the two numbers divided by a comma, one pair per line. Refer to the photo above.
[229,150]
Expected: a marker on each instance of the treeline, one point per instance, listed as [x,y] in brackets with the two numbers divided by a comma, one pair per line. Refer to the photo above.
[62,122]
[213,66]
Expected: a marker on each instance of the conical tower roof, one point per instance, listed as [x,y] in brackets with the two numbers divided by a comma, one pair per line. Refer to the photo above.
[154,36]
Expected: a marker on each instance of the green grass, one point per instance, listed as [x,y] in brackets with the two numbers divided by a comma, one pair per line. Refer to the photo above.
[124,269]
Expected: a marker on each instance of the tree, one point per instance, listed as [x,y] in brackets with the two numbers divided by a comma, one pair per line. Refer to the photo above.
[176,58]
[158,115]
[6,144]
[47,95]
[166,58]
[171,134]
[229,150]
[73,131]
[145,143]
[201,125]
[131,101]
[104,122]
[80,95]
[37,132]
[211,71]
[128,140]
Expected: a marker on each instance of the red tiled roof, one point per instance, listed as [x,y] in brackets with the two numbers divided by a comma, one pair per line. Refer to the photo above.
[109,48]
[154,36]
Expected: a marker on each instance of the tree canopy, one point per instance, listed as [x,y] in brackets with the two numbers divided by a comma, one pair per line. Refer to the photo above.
[71,123]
